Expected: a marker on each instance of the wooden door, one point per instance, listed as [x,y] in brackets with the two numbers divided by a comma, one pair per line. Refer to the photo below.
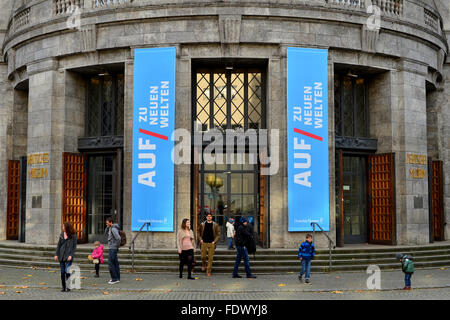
[437,203]
[13,202]
[381,199]
[74,207]
[262,208]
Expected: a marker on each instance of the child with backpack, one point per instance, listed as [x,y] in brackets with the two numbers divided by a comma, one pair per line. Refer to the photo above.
[306,253]
[97,257]
[407,268]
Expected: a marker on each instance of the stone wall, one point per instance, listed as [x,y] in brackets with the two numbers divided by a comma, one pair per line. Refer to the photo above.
[445,145]
[410,136]
[403,52]
[6,115]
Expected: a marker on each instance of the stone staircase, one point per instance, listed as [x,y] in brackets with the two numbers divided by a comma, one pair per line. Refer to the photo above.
[15,254]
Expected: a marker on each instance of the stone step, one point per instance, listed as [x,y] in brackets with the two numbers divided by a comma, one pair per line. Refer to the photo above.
[220,254]
[268,259]
[230,259]
[277,252]
[224,268]
[265,260]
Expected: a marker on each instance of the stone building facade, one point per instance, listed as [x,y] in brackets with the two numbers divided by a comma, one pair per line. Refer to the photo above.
[55,55]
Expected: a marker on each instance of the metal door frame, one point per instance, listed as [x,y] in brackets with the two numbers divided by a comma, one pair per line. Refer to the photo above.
[117,184]
[364,180]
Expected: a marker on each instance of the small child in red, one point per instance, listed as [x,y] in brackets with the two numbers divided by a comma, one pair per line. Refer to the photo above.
[97,255]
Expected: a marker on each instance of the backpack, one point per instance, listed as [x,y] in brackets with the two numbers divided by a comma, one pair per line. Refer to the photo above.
[123,237]
[408,266]
[251,244]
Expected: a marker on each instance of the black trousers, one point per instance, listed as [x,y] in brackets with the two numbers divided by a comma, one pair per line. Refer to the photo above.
[186,257]
[97,268]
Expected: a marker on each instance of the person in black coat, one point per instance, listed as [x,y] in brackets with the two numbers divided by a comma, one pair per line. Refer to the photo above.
[65,251]
[243,234]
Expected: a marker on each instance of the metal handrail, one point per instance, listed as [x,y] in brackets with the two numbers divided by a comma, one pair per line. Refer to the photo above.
[330,242]
[134,240]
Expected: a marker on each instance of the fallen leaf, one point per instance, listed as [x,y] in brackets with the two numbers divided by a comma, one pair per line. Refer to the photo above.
[213,284]
[83,278]
[428,276]
[282,285]
[443,268]
[337,292]
[2,293]
[95,285]
[169,290]
[42,283]
[360,291]
[19,268]
[29,275]
[337,277]
[105,293]
[139,279]
[2,286]
[24,287]
[196,278]
[18,291]
[44,288]
[35,268]
[52,271]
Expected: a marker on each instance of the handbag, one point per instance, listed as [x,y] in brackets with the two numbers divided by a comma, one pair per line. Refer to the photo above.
[96,261]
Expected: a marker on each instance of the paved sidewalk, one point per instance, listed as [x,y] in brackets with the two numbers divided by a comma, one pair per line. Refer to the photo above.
[45,284]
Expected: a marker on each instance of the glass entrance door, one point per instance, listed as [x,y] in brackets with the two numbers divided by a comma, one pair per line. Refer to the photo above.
[354,190]
[102,194]
[229,191]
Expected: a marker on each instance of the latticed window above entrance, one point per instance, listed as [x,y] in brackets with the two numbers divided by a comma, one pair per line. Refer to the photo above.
[229,99]
[351,106]
[104,112]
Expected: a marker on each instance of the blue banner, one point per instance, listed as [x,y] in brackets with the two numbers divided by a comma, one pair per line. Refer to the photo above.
[153,125]
[308,187]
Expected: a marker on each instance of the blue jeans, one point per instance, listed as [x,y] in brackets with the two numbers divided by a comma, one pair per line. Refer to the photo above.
[113,262]
[242,253]
[306,268]
[230,242]
[408,279]
[64,266]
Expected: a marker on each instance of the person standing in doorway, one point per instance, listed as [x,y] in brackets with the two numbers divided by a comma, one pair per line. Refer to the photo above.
[230,233]
[112,231]
[209,235]
[244,235]
[186,247]
[65,252]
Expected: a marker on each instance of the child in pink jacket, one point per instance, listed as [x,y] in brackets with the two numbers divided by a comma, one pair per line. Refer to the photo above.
[97,254]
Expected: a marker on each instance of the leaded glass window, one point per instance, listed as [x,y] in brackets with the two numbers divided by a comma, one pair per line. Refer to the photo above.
[105,105]
[351,107]
[229,99]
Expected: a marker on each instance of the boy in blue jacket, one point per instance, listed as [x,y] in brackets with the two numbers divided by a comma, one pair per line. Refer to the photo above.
[306,253]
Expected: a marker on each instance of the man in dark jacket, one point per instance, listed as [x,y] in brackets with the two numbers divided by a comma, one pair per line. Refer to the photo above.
[112,231]
[243,235]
